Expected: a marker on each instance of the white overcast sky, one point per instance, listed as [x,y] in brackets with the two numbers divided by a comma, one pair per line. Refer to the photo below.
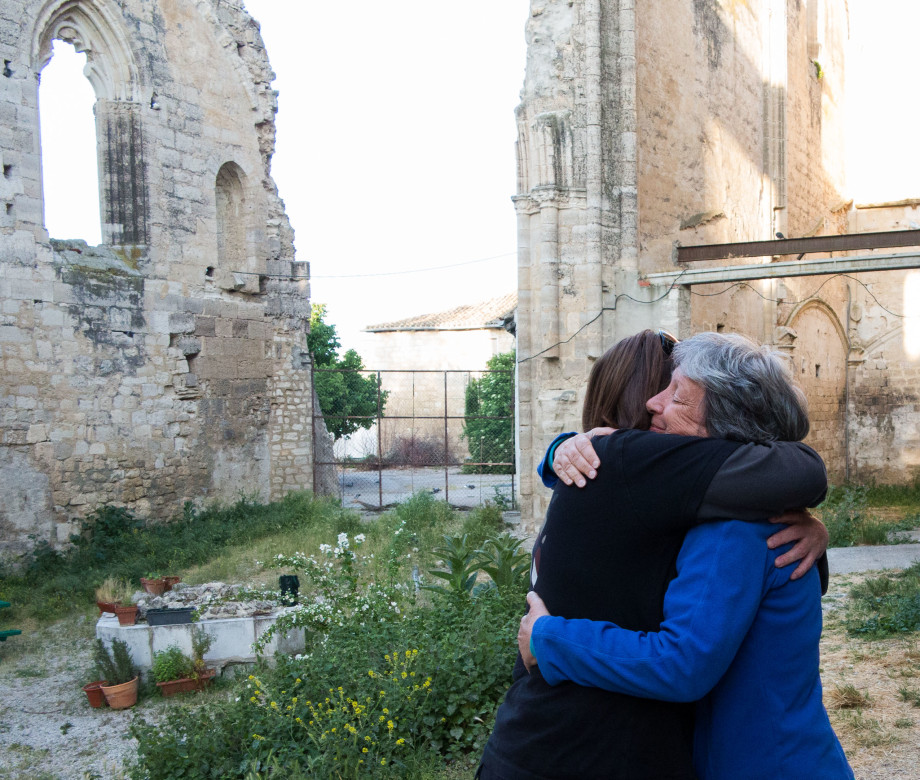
[396,142]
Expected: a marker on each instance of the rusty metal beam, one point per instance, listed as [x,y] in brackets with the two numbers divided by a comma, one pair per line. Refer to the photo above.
[797,246]
[820,267]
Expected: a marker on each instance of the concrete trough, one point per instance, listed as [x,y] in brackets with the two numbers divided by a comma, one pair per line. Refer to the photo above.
[233,639]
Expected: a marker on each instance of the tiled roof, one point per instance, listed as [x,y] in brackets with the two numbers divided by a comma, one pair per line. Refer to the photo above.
[487,314]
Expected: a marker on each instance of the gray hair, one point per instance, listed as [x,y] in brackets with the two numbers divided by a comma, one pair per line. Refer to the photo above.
[749,391]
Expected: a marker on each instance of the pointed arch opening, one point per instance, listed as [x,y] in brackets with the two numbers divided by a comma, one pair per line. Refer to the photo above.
[93,32]
[70,169]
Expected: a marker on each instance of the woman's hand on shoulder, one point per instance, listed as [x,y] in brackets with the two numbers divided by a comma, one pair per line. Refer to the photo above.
[575,459]
[810,537]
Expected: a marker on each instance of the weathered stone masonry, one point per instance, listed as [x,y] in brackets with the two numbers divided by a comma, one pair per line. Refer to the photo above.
[170,363]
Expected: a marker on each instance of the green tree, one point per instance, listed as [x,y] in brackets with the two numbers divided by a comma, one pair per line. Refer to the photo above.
[347,398]
[489,418]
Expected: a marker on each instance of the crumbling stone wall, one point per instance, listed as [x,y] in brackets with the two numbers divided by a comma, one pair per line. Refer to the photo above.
[170,363]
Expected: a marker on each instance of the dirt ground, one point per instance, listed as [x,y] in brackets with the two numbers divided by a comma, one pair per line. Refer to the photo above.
[878,728]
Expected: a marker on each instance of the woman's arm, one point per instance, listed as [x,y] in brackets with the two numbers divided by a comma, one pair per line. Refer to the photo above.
[708,610]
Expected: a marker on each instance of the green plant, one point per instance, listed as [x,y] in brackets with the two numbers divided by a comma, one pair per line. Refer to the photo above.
[483,522]
[465,647]
[114,591]
[850,522]
[501,499]
[349,401]
[504,561]
[910,695]
[346,586]
[201,643]
[116,666]
[360,731]
[489,418]
[461,566]
[51,582]
[172,664]
[885,605]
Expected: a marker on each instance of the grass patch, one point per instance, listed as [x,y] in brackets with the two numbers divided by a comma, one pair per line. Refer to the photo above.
[848,514]
[868,732]
[887,605]
[894,495]
[848,697]
[910,695]
[114,543]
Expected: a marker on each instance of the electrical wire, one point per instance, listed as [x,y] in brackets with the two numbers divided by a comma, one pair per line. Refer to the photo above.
[711,295]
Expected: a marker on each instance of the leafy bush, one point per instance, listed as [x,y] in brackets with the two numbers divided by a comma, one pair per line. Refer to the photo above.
[405,676]
[489,418]
[483,522]
[172,664]
[349,400]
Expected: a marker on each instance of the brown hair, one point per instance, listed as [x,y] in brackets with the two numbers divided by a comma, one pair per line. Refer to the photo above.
[623,379]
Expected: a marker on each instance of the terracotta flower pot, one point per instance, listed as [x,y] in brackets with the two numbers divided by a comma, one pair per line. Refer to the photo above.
[120,697]
[94,693]
[172,687]
[127,616]
[186,684]
[171,582]
[106,606]
[156,587]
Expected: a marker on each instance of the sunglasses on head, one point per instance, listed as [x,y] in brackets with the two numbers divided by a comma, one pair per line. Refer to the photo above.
[668,340]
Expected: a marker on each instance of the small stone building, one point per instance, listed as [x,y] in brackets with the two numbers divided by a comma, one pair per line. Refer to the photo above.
[168,364]
[413,355]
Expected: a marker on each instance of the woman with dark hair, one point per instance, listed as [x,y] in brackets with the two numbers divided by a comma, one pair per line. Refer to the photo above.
[603,555]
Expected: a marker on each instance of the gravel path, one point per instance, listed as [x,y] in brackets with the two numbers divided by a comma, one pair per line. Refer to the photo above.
[47,728]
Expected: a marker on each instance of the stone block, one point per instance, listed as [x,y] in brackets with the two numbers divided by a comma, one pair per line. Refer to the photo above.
[181,322]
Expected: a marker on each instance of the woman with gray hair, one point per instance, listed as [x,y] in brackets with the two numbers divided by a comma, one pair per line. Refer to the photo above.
[748,390]
[739,636]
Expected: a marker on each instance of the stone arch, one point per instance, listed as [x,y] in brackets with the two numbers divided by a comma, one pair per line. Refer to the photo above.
[881,340]
[819,357]
[232,221]
[93,28]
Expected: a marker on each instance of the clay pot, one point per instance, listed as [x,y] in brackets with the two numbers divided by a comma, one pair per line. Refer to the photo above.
[127,616]
[94,693]
[155,587]
[106,606]
[172,687]
[171,582]
[120,697]
[186,684]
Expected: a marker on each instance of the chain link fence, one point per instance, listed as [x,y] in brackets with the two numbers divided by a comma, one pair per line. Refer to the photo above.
[396,433]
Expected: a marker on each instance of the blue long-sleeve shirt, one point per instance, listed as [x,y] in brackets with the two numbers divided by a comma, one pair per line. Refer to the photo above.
[736,631]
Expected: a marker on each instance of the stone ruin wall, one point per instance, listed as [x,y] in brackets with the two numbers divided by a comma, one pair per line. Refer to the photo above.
[170,363]
[647,125]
